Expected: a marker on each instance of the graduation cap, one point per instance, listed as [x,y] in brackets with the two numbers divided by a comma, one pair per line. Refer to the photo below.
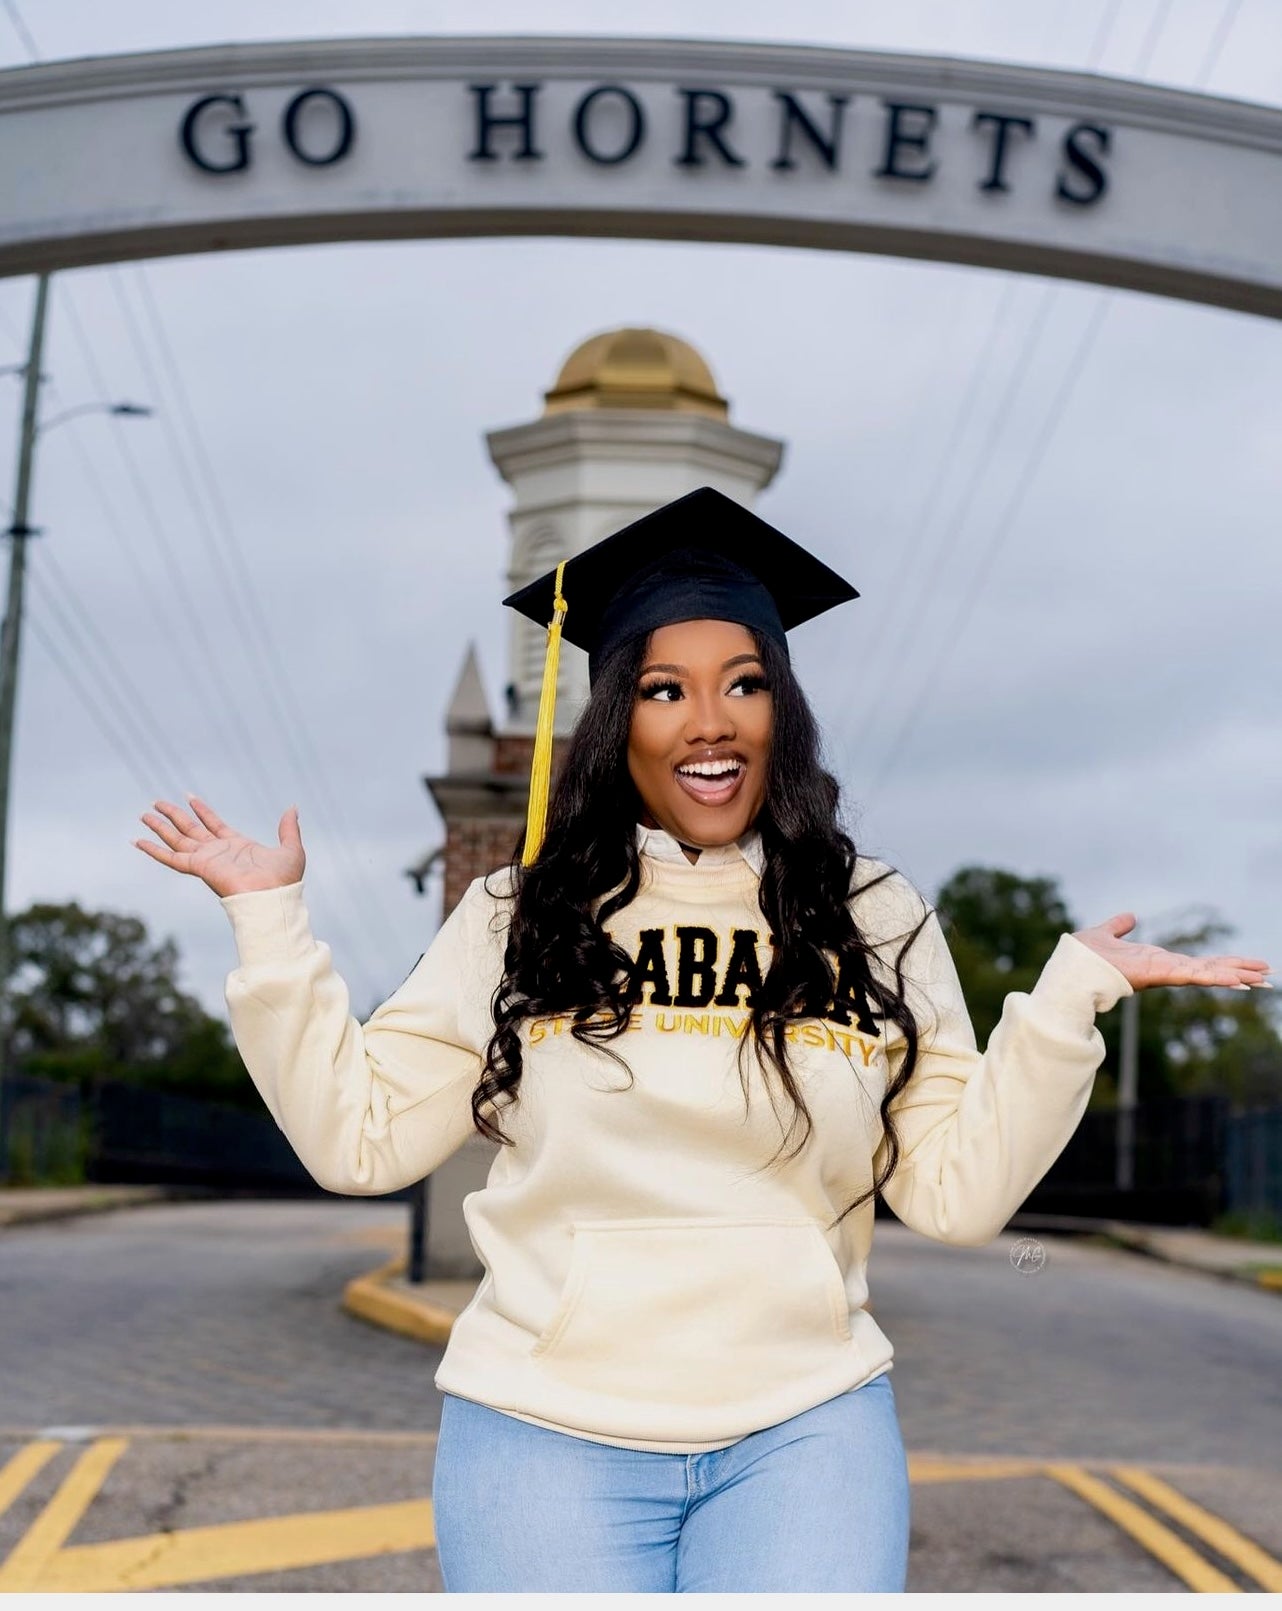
[701,557]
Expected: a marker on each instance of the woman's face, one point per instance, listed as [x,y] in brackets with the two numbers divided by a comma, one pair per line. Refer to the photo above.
[700,732]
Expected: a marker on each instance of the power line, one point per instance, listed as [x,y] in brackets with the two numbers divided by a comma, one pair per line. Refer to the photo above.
[363,890]
[1155,28]
[979,374]
[163,615]
[248,610]
[1068,383]
[218,686]
[21,29]
[961,418]
[979,471]
[213,710]
[961,615]
[210,709]
[104,722]
[1211,60]
[1103,34]
[78,625]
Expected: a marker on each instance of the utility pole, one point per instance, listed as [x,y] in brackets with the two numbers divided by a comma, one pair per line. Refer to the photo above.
[19,531]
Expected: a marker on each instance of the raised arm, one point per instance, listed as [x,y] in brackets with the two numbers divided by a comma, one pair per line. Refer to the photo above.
[979,1130]
[368,1108]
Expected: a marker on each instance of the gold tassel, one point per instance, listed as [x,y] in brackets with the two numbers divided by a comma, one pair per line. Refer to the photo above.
[541,767]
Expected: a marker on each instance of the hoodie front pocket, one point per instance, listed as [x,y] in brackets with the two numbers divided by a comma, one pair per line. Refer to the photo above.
[685,1310]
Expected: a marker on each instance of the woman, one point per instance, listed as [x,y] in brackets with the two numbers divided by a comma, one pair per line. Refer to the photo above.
[706,1033]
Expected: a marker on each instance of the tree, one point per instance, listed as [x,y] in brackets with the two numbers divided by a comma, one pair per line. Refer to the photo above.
[91,997]
[1002,928]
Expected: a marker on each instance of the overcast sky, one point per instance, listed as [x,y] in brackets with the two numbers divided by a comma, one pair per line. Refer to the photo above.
[1064,663]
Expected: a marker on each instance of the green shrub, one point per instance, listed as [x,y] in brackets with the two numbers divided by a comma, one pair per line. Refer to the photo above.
[1252,1224]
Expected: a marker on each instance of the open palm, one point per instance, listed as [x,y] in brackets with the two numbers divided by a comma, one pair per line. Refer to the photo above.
[229,862]
[1148,965]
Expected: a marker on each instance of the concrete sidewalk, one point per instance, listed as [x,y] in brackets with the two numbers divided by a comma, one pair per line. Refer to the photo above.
[1232,1258]
[427,1310]
[26,1205]
[1256,1263]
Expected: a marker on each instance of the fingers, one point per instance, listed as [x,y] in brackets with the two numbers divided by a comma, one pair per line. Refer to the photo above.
[287,829]
[207,815]
[159,853]
[1229,973]
[172,836]
[185,824]
[1238,970]
[1121,923]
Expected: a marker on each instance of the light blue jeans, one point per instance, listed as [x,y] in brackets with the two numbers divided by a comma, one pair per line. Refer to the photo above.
[819,1503]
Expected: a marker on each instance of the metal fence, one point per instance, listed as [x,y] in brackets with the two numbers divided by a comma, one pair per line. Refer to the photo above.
[1191,1159]
[1254,1163]
[112,1131]
[44,1136]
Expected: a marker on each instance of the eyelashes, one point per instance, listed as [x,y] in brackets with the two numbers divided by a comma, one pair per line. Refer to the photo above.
[750,682]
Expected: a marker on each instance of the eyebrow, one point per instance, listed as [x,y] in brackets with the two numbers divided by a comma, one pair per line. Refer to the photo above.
[735,660]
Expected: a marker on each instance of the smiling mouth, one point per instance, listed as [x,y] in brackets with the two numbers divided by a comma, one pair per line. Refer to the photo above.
[714,787]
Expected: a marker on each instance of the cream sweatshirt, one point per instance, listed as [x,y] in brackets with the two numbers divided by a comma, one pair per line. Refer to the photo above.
[648,1281]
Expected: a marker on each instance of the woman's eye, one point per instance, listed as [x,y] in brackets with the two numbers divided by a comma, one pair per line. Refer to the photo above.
[656,690]
[750,683]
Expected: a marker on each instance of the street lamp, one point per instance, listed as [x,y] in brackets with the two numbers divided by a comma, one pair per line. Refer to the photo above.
[92,408]
[9,635]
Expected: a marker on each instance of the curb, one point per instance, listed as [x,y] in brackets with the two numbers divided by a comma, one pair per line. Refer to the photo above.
[369,1299]
[1268,1279]
[34,1213]
[1138,1239]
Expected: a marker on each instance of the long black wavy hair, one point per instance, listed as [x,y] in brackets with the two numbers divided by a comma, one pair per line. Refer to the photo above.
[559,960]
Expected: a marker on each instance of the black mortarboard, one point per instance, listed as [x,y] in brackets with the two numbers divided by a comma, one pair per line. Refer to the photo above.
[703,556]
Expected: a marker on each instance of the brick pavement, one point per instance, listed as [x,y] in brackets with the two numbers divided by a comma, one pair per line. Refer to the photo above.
[205,1312]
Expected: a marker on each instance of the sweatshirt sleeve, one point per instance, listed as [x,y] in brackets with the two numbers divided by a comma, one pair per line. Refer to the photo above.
[369,1108]
[978,1130]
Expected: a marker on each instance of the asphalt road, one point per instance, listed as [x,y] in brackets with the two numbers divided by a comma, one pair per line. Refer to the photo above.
[183,1404]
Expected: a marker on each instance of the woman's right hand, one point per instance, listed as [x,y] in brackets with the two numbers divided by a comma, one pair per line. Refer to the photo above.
[227,861]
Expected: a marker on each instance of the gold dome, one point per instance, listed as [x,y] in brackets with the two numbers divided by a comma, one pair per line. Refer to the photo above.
[636,368]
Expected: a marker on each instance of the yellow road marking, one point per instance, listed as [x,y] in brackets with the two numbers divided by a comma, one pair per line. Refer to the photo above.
[1171,1550]
[55,1522]
[1225,1540]
[977,1468]
[236,1549]
[19,1470]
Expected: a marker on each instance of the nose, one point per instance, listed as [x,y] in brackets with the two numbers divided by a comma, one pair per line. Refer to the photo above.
[709,718]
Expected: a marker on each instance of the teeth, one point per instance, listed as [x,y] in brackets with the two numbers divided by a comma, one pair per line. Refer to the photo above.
[710,769]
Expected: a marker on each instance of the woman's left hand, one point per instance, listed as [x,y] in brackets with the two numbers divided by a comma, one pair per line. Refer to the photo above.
[1147,965]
